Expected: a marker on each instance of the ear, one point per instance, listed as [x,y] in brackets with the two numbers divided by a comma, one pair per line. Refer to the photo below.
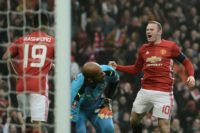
[160,32]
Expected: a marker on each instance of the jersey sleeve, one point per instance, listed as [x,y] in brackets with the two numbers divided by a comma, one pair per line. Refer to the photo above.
[139,62]
[112,77]
[76,86]
[179,56]
[175,50]
[133,69]
[13,50]
[188,67]
[111,74]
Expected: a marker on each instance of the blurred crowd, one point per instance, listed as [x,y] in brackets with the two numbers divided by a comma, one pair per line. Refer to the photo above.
[104,30]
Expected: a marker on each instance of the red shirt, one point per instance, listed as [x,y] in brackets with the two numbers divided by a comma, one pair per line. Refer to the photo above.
[34,54]
[156,61]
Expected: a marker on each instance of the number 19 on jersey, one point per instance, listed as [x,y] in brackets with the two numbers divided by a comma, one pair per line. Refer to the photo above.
[37,58]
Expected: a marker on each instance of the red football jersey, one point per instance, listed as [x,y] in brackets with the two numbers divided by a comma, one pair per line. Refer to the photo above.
[34,55]
[156,61]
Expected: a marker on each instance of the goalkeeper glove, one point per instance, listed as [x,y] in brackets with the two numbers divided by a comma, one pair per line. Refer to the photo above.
[105,111]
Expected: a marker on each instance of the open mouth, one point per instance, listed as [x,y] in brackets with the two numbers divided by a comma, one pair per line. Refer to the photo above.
[149,36]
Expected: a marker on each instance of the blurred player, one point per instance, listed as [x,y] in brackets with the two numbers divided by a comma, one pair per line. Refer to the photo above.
[155,59]
[88,101]
[33,55]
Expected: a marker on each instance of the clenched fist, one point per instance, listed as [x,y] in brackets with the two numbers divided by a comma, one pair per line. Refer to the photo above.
[190,81]
[113,64]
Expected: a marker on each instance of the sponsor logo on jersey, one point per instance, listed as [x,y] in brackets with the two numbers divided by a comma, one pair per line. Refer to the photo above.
[153,59]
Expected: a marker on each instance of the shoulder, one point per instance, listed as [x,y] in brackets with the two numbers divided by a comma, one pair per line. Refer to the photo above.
[19,40]
[172,46]
[52,42]
[42,36]
[50,36]
[169,43]
[106,68]
[109,71]
[143,47]
[79,79]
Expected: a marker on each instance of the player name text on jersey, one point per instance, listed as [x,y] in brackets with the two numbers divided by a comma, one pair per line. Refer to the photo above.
[37,39]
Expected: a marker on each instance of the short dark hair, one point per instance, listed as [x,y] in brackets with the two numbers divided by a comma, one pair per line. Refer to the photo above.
[157,23]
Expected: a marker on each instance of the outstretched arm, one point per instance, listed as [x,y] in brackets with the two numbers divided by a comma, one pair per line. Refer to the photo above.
[131,69]
[127,69]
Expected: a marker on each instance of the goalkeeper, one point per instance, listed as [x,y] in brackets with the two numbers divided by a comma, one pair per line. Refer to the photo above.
[90,93]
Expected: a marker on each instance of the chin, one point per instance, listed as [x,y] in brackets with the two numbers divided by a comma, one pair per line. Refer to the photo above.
[150,42]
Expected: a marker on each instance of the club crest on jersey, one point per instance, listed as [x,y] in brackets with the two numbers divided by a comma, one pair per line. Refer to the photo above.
[147,52]
[153,59]
[163,51]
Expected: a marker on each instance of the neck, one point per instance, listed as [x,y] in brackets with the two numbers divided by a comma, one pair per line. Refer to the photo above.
[158,41]
[90,82]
